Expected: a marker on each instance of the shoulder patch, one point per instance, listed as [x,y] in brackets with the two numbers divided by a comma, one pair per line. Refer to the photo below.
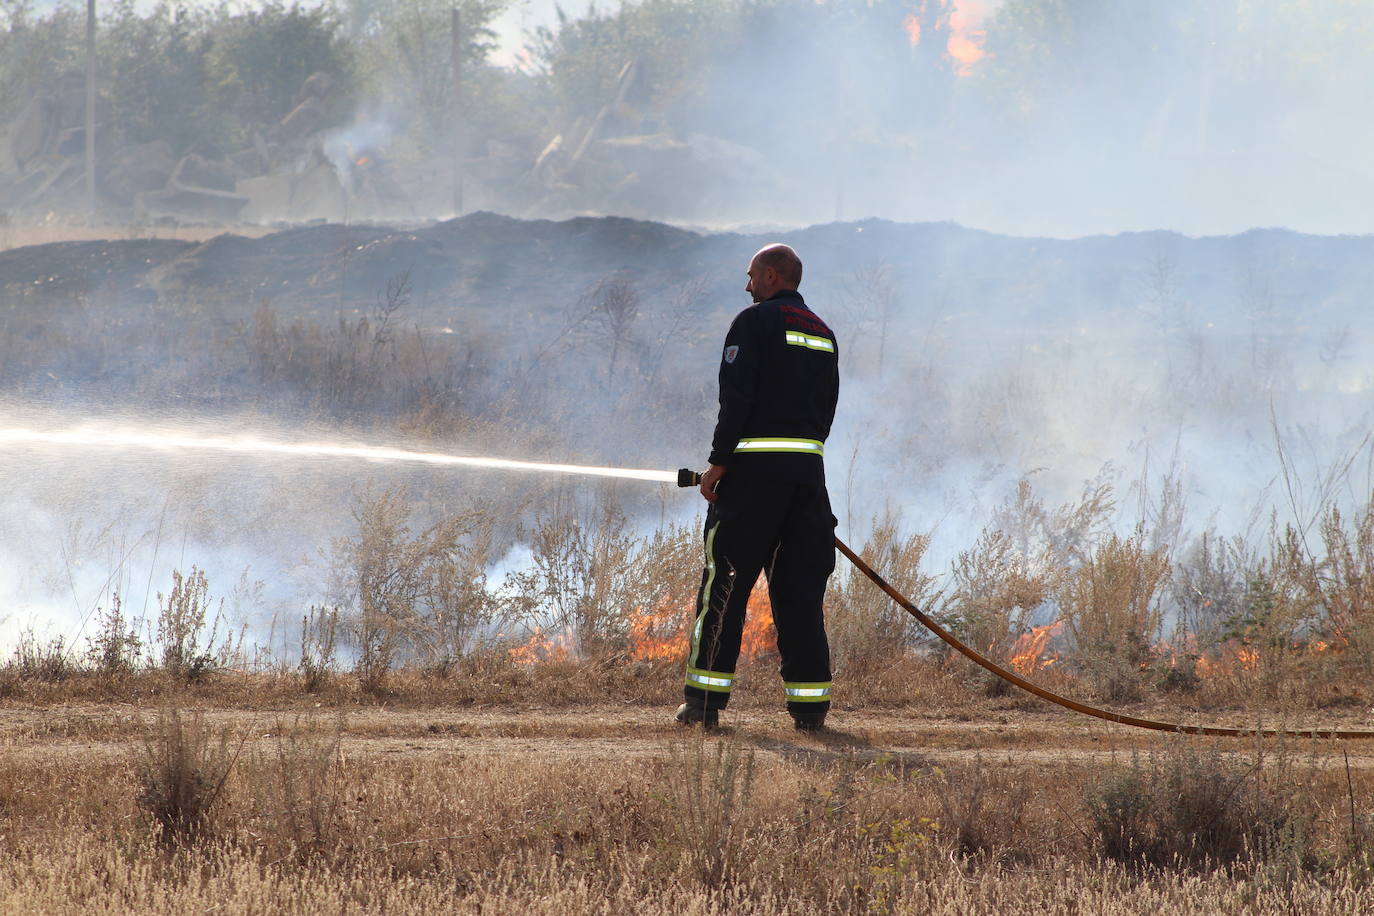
[730,353]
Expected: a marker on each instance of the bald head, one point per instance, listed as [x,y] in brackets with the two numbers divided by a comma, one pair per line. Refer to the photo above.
[773,269]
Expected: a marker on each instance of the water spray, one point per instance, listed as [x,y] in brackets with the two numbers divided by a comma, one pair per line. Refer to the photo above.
[121,437]
[689,478]
[153,439]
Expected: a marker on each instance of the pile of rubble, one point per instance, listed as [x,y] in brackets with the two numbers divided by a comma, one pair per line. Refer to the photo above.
[621,160]
[282,175]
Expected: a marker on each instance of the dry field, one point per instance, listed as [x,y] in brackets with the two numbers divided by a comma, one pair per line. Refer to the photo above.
[565,788]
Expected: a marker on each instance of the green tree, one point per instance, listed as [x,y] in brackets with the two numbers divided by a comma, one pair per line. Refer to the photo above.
[260,58]
[405,49]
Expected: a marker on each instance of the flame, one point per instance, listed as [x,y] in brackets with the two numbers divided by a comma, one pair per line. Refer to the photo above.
[362,161]
[912,26]
[541,649]
[658,633]
[1028,653]
[966,34]
[1231,658]
[663,632]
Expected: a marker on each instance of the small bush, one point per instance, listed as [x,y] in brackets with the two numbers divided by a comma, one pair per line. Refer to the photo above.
[115,648]
[983,815]
[189,653]
[422,594]
[584,576]
[868,630]
[37,661]
[303,789]
[1196,810]
[319,633]
[1110,611]
[182,774]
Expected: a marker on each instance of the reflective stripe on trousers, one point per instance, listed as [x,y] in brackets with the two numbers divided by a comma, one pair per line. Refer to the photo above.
[807,692]
[692,659]
[714,681]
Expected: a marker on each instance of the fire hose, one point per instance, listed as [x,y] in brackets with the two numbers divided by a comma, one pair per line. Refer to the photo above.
[689,478]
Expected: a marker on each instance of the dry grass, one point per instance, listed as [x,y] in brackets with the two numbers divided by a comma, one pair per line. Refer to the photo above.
[316,815]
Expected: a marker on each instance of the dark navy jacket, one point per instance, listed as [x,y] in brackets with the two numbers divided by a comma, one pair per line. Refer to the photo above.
[779,383]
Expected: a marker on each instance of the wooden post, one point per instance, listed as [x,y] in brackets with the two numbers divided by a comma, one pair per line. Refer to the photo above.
[90,109]
[456,112]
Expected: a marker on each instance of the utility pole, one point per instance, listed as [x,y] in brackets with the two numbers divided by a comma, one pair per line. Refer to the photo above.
[456,112]
[90,110]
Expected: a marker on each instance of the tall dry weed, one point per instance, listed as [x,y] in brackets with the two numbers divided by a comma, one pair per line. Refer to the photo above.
[1110,611]
[997,592]
[712,783]
[299,784]
[189,650]
[422,595]
[1340,585]
[582,575]
[1208,585]
[115,648]
[34,659]
[867,630]
[319,638]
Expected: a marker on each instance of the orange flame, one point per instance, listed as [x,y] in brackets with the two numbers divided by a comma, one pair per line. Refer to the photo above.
[1232,657]
[912,26]
[663,632]
[966,34]
[1028,653]
[541,649]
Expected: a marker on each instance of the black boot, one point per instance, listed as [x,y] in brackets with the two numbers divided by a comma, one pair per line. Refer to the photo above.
[688,714]
[808,721]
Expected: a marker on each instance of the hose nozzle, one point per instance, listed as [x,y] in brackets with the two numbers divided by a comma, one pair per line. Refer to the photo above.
[686,477]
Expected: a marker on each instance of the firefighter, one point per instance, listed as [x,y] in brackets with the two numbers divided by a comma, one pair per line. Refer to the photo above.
[768,507]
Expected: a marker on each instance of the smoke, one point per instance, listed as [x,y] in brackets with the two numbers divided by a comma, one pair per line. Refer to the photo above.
[373,128]
[1028,117]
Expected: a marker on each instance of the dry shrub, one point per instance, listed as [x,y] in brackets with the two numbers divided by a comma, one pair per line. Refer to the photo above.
[189,652]
[115,649]
[1111,614]
[1189,808]
[869,631]
[182,773]
[1020,560]
[319,635]
[1340,584]
[300,787]
[712,786]
[582,581]
[1053,538]
[424,594]
[1266,657]
[34,660]
[985,816]
[996,593]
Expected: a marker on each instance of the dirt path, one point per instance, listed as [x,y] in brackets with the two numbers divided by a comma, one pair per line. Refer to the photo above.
[608,733]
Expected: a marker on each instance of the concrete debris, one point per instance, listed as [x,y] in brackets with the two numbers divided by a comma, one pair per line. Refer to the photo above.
[623,158]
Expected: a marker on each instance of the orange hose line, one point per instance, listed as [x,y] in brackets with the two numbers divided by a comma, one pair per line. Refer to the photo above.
[1084,708]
